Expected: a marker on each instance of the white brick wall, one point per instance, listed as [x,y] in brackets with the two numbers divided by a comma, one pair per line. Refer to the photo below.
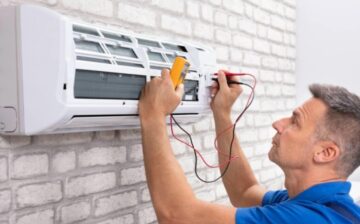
[98,177]
[40,217]
[75,212]
[38,194]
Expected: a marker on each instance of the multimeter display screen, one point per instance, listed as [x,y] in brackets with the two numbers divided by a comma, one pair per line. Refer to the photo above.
[106,85]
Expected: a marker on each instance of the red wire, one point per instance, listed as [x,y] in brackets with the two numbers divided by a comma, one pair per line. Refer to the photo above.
[222,132]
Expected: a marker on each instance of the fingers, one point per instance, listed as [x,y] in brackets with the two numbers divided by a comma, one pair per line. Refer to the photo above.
[222,80]
[179,91]
[165,74]
[214,89]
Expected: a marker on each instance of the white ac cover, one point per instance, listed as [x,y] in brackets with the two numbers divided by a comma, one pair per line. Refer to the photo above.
[57,75]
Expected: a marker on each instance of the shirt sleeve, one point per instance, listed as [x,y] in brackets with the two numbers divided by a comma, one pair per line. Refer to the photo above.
[274,197]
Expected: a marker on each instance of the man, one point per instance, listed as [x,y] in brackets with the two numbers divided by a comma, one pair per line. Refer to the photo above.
[318,147]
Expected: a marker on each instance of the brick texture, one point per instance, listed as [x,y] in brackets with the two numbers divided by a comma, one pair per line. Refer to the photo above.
[98,177]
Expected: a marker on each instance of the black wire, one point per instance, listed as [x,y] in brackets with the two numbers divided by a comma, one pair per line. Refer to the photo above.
[231,143]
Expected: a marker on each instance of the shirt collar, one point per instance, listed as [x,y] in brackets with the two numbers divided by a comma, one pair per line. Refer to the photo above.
[325,191]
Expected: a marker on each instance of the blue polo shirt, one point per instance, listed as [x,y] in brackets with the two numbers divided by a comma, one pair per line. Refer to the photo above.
[318,204]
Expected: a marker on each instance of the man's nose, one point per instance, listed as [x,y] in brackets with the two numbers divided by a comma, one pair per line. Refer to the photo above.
[279,125]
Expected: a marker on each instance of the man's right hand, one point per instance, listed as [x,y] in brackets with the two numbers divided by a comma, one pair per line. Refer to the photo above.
[223,95]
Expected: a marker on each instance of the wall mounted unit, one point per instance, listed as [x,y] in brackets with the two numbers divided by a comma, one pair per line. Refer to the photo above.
[57,75]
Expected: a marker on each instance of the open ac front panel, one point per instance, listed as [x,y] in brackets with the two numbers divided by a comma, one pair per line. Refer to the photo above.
[58,76]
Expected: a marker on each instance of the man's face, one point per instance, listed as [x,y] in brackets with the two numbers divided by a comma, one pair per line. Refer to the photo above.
[293,144]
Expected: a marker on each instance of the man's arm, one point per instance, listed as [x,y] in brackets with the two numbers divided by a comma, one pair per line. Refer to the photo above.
[239,180]
[172,196]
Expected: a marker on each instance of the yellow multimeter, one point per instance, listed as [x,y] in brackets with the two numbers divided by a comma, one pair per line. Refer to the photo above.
[179,70]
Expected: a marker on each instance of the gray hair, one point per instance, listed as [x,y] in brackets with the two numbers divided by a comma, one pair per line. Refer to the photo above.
[341,124]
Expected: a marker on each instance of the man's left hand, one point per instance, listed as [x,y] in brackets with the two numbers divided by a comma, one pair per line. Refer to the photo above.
[159,98]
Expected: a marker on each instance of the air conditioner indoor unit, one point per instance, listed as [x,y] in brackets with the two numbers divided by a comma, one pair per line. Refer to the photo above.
[58,75]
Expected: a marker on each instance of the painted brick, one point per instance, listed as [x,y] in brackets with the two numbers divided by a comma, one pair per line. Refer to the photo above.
[14,141]
[233,22]
[178,147]
[5,200]
[75,212]
[137,15]
[267,76]
[207,13]
[102,8]
[102,156]
[289,90]
[215,2]
[38,217]
[261,46]
[132,176]
[223,36]
[247,26]
[265,133]
[203,125]
[222,54]
[64,161]
[262,31]
[187,163]
[221,18]
[262,149]
[204,31]
[83,185]
[126,219]
[248,135]
[234,6]
[209,141]
[130,134]
[267,174]
[270,62]
[176,24]
[115,202]
[278,22]
[261,16]
[63,139]
[290,13]
[290,26]
[3,169]
[30,165]
[105,135]
[145,195]
[236,55]
[220,191]
[206,195]
[273,90]
[262,120]
[38,194]
[177,6]
[275,35]
[242,41]
[147,215]
[136,153]
[290,2]
[193,9]
[267,163]
[252,59]
[249,10]
[256,164]
[279,50]
[286,65]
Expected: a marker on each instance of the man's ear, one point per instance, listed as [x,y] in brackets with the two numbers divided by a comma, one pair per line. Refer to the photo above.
[326,151]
